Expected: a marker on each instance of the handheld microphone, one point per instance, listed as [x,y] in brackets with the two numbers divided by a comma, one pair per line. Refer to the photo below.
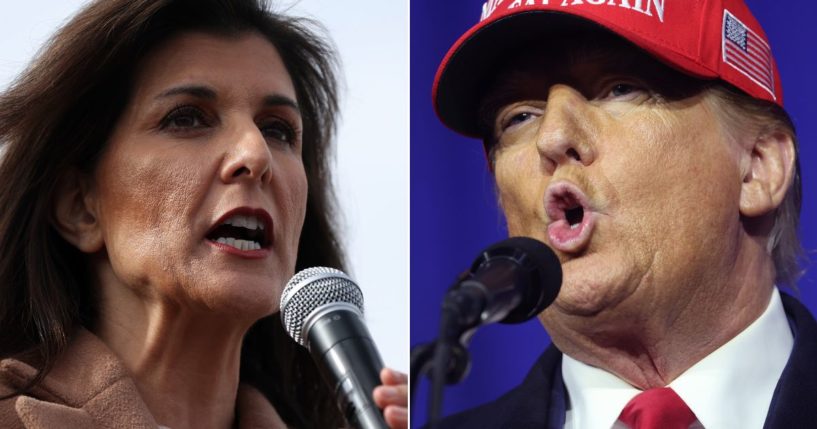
[322,309]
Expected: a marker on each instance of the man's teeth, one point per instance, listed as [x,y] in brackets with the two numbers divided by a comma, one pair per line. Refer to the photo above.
[240,244]
[249,222]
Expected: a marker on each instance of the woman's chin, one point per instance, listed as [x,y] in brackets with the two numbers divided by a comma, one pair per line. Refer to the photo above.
[246,300]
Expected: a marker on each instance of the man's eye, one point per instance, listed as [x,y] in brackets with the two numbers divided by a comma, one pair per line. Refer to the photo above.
[518,119]
[515,118]
[622,90]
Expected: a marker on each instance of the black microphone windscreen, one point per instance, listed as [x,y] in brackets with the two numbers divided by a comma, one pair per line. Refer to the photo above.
[539,273]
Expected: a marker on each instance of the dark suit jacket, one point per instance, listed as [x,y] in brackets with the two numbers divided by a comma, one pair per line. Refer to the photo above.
[540,401]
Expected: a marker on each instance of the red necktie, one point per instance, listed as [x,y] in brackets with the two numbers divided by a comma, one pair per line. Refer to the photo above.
[659,408]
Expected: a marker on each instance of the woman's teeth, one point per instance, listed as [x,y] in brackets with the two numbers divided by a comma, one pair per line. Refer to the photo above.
[241,232]
[249,222]
[240,244]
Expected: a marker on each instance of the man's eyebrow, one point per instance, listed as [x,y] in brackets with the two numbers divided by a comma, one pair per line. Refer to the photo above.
[281,100]
[198,91]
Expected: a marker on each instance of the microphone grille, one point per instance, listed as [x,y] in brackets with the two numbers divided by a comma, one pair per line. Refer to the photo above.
[311,289]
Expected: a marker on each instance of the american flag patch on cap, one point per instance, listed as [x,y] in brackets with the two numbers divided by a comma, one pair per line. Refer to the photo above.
[747,52]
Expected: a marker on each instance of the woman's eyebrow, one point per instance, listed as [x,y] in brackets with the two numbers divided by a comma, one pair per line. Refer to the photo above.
[281,100]
[201,91]
[198,91]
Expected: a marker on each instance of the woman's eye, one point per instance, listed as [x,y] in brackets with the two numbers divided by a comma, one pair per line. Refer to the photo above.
[184,118]
[281,131]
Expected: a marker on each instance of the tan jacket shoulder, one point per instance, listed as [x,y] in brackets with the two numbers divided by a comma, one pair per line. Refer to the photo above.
[90,388]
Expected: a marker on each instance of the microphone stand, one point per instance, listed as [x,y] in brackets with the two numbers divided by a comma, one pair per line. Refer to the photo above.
[421,356]
[510,282]
[447,359]
[423,363]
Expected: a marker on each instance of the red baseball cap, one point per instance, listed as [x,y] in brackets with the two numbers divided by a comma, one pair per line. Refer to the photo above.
[707,39]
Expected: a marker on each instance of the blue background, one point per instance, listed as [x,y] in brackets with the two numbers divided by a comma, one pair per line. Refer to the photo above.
[453,209]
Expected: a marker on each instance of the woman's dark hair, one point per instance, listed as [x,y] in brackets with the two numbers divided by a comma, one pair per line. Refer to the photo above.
[57,117]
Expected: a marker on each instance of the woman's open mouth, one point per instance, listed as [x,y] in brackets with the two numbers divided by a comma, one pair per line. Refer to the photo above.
[571,219]
[242,230]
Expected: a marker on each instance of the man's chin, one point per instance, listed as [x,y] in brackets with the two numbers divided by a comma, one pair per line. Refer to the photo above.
[587,298]
[579,306]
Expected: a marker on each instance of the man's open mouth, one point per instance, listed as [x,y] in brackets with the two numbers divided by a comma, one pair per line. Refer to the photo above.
[574,215]
[571,219]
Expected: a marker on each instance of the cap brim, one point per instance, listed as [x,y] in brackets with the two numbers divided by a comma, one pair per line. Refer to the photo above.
[469,68]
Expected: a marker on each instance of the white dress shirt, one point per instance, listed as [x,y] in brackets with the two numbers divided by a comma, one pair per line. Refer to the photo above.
[730,388]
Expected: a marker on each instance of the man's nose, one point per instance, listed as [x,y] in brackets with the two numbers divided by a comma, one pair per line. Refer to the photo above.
[248,156]
[567,129]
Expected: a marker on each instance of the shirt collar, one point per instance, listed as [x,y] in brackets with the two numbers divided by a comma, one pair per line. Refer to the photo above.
[731,387]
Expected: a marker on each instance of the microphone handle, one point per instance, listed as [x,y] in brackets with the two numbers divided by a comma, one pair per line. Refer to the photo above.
[347,358]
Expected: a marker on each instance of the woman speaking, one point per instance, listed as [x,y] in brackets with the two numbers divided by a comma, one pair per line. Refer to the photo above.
[164,174]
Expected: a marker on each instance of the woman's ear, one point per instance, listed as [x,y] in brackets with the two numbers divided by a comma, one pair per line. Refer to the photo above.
[770,174]
[75,212]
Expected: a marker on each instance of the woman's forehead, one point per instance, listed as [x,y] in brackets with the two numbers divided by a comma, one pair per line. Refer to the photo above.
[247,61]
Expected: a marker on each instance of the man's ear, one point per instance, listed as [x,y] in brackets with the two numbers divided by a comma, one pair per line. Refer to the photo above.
[770,174]
[75,212]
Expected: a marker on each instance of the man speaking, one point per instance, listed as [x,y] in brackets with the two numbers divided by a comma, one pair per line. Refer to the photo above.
[646,142]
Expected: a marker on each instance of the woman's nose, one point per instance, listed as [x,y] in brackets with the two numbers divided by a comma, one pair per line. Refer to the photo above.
[248,155]
[565,133]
